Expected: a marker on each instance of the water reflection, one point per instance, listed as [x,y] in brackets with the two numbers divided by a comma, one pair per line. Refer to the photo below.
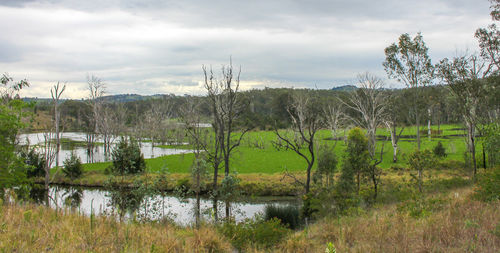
[128,204]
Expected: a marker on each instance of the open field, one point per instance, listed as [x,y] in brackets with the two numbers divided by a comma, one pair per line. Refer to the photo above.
[258,155]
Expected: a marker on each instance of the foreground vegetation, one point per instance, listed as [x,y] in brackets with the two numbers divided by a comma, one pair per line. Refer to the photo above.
[453,221]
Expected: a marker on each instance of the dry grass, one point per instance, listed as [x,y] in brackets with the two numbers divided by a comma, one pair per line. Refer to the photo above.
[464,225]
[30,228]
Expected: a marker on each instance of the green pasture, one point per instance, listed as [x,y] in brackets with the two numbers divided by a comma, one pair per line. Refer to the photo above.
[257,154]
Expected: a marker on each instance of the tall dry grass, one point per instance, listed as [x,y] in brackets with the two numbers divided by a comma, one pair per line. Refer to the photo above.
[464,225]
[30,228]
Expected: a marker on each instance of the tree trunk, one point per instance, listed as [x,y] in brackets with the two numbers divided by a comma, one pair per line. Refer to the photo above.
[429,131]
[418,130]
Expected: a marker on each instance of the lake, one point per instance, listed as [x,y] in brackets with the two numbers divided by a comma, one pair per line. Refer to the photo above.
[98,155]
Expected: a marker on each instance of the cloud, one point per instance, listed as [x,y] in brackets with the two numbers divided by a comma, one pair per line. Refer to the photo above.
[157,46]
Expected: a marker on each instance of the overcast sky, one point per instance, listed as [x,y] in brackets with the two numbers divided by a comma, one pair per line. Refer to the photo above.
[159,46]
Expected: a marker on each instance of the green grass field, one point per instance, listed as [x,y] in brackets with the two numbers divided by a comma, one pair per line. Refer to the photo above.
[256,153]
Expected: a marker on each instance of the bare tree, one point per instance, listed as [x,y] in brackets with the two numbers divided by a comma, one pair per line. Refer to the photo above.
[370,103]
[305,124]
[333,116]
[226,106]
[155,117]
[96,90]
[56,92]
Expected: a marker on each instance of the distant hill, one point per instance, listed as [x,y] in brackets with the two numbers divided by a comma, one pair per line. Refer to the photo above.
[131,97]
[345,88]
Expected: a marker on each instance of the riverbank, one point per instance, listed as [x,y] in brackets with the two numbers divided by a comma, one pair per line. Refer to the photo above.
[458,224]
[253,184]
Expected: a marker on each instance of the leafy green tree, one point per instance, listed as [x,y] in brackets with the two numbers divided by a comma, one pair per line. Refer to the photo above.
[127,158]
[12,168]
[409,63]
[356,160]
[421,161]
[327,166]
[35,163]
[72,167]
[465,76]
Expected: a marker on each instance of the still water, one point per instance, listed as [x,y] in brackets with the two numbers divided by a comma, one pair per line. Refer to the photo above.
[98,155]
[139,206]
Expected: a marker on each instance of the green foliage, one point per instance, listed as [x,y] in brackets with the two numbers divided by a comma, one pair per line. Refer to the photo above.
[356,160]
[488,185]
[330,248]
[254,232]
[439,150]
[127,158]
[421,161]
[35,163]
[327,166]
[492,143]
[72,167]
[228,189]
[12,168]
[288,215]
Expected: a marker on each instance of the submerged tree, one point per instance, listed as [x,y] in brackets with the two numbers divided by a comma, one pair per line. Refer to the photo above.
[56,92]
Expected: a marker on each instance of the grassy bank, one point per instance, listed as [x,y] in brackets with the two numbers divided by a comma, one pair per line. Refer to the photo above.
[459,225]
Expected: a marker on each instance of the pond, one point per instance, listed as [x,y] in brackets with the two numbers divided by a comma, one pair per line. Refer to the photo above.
[129,204]
[147,149]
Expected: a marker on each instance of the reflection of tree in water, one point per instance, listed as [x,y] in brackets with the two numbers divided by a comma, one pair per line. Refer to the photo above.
[38,194]
[125,200]
[73,197]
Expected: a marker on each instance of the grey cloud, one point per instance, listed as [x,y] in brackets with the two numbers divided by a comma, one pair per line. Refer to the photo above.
[154,46]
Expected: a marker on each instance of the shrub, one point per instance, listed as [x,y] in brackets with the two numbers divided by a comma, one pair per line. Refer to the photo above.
[488,185]
[288,215]
[72,167]
[127,158]
[35,163]
[439,150]
[254,232]
[421,161]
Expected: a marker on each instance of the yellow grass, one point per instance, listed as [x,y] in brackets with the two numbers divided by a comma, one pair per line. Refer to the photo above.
[465,225]
[30,228]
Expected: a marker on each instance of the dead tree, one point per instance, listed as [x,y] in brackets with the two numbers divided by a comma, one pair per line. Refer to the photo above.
[305,123]
[56,92]
[369,102]
[225,106]
[96,90]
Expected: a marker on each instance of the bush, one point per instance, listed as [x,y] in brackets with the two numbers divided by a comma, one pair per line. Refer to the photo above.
[72,167]
[127,158]
[439,150]
[255,232]
[288,215]
[488,185]
[35,163]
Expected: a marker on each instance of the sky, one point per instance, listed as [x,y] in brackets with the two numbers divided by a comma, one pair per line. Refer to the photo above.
[159,46]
